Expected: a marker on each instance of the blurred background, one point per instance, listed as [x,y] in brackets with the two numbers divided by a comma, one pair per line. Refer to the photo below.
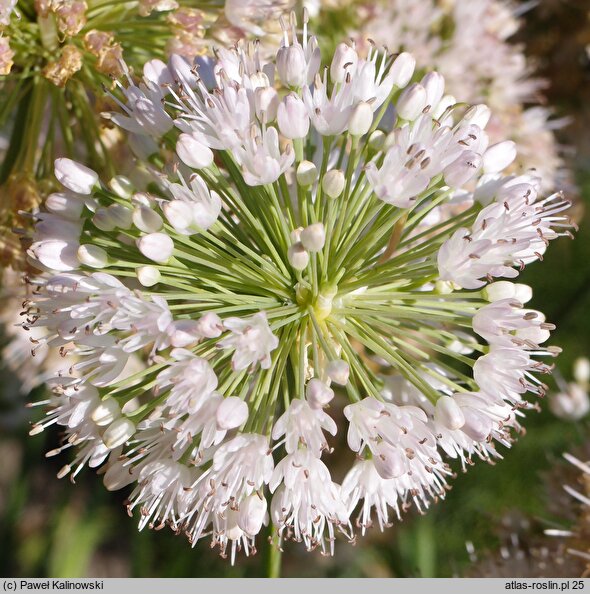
[492,521]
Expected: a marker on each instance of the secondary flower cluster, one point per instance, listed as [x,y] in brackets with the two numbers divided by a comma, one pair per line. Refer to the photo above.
[471,45]
[571,401]
[297,244]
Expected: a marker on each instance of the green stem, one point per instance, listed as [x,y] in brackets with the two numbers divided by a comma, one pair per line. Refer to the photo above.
[274,554]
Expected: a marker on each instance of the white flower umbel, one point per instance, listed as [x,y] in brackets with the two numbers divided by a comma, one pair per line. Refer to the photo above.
[301,248]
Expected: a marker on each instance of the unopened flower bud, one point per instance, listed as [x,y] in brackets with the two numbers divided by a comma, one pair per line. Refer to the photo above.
[333,183]
[338,371]
[266,100]
[232,413]
[156,246]
[477,425]
[448,413]
[292,117]
[462,169]
[93,256]
[434,84]
[313,237]
[75,176]
[499,290]
[103,220]
[318,394]
[377,140]
[499,156]
[307,173]
[298,256]
[210,325]
[105,412]
[118,433]
[291,65]
[252,514]
[179,214]
[121,216]
[582,370]
[148,276]
[478,115]
[119,475]
[523,293]
[444,287]
[65,205]
[444,104]
[389,461]
[345,61]
[361,119]
[146,219]
[193,152]
[122,186]
[411,102]
[183,333]
[402,69]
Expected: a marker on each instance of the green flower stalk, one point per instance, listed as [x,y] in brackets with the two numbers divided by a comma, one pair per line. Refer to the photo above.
[318,231]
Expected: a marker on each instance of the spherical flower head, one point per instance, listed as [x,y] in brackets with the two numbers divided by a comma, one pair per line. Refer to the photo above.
[340,253]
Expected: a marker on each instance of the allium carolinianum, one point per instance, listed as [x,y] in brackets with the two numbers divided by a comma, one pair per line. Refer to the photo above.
[298,244]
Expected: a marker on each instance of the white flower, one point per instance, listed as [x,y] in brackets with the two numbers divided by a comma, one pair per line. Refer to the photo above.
[402,445]
[505,373]
[412,102]
[292,117]
[145,114]
[306,501]
[194,207]
[297,63]
[239,469]
[56,243]
[318,394]
[302,424]
[252,340]
[161,485]
[262,159]
[396,183]
[419,152]
[191,381]
[512,231]
[572,404]
[364,483]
